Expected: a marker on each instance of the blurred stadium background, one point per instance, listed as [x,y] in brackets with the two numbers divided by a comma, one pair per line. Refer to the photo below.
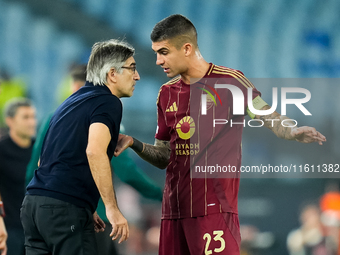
[41,39]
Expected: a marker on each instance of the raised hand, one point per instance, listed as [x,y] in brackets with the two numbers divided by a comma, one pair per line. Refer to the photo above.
[307,135]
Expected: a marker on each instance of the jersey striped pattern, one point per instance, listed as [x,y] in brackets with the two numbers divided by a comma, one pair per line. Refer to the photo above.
[185,196]
[233,74]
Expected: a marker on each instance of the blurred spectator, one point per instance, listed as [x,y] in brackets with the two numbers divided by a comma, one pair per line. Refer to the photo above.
[10,88]
[310,238]
[144,223]
[330,217]
[78,75]
[254,242]
[15,152]
[130,206]
[330,201]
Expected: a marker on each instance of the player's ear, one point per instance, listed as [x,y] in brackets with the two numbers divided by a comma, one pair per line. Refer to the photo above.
[9,121]
[187,49]
[111,75]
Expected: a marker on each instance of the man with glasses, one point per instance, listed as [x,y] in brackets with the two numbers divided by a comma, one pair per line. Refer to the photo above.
[123,167]
[58,212]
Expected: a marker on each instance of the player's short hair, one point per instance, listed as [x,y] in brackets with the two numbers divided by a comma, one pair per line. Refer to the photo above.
[11,107]
[176,28]
[106,55]
[78,73]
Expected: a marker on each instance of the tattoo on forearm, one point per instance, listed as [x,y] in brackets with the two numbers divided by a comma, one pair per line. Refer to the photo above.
[273,122]
[158,154]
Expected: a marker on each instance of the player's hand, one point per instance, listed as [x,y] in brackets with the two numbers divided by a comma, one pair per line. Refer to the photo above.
[3,237]
[119,225]
[99,225]
[124,142]
[307,135]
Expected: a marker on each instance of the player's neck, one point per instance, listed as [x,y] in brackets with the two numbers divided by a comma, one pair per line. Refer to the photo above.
[197,69]
[21,141]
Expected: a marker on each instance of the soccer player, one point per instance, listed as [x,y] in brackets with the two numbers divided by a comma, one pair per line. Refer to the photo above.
[199,215]
[58,214]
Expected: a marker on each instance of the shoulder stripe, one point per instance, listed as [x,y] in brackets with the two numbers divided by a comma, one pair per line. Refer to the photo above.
[211,68]
[240,77]
[240,80]
[173,81]
[159,92]
[236,73]
[224,68]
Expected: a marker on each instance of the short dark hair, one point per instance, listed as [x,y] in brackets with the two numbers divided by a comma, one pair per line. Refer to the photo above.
[176,27]
[11,107]
[78,72]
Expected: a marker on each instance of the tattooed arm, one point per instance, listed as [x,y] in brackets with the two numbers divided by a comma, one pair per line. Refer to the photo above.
[301,134]
[157,154]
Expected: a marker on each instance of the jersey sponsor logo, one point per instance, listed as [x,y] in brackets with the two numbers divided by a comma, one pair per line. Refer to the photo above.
[172,108]
[186,128]
[187,149]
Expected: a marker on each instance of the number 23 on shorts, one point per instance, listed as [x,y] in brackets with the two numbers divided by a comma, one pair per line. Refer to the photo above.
[217,238]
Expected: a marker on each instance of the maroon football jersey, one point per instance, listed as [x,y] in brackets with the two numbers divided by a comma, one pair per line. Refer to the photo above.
[195,142]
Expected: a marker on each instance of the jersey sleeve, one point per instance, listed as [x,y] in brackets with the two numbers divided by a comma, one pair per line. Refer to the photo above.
[256,99]
[163,131]
[245,85]
[108,112]
[240,81]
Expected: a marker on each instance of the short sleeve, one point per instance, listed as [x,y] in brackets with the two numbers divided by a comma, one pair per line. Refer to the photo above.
[237,90]
[244,84]
[108,112]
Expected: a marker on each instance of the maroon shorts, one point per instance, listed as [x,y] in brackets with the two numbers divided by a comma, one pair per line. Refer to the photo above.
[211,234]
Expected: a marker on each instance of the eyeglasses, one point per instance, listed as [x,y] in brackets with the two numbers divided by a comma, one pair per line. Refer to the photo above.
[132,68]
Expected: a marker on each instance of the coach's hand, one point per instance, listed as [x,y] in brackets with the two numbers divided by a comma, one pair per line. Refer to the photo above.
[99,225]
[3,237]
[307,135]
[124,142]
[119,225]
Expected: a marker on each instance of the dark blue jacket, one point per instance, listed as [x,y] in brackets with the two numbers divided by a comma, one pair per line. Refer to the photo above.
[64,171]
